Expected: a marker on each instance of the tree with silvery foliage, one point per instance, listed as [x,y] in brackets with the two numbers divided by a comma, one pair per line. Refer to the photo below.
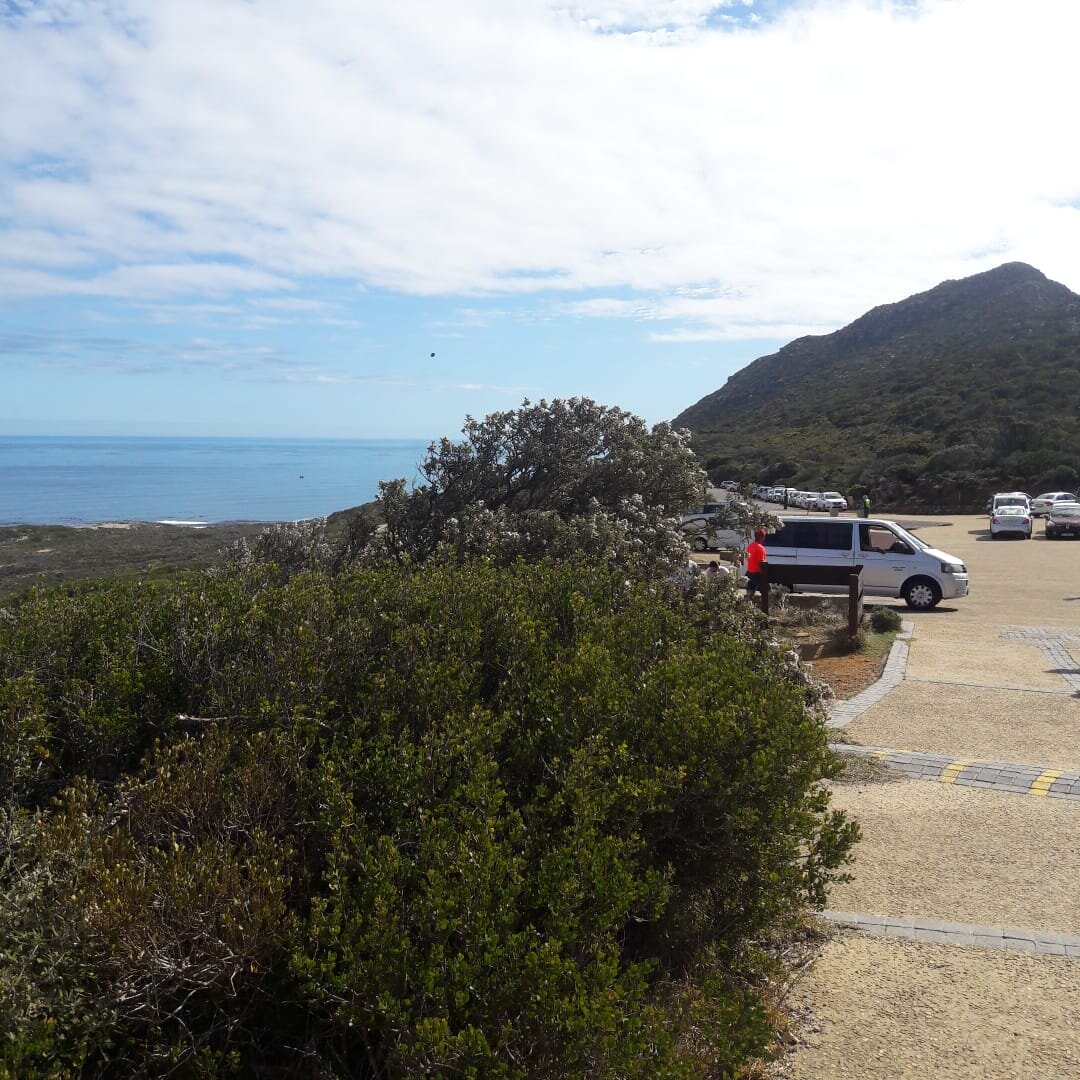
[559,478]
[554,479]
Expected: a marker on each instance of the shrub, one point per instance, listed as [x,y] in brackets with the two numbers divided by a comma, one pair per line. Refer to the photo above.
[151,929]
[884,620]
[564,478]
[473,820]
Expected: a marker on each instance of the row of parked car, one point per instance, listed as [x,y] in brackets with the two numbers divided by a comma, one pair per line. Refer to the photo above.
[1014,513]
[802,500]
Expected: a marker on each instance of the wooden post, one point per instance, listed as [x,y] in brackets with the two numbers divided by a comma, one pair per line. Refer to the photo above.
[854,609]
[763,580]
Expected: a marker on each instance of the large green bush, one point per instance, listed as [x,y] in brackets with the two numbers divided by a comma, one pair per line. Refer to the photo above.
[470,821]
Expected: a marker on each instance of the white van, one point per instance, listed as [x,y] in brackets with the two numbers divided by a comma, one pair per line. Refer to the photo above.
[894,562]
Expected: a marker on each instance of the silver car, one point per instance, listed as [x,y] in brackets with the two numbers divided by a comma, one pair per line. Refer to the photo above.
[1041,505]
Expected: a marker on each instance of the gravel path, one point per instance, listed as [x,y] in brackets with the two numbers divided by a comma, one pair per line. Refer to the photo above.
[974,722]
[962,854]
[903,1009]
[988,659]
[875,1007]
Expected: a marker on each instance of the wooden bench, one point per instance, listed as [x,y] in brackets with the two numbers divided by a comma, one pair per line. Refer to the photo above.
[792,575]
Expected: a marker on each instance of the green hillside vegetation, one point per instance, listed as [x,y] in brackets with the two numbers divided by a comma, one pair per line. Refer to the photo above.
[930,403]
[485,792]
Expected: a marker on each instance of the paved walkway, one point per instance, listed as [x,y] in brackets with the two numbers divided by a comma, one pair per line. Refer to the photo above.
[997,776]
[841,713]
[981,697]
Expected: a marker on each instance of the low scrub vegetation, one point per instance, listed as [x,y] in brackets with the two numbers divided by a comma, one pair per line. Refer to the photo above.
[477,820]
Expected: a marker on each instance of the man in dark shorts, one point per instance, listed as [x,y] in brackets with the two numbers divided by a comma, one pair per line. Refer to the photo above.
[755,559]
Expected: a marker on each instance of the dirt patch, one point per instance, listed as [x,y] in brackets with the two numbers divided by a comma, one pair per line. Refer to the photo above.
[851,674]
[867,770]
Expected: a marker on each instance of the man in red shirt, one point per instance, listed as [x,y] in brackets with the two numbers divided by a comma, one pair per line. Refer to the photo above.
[755,558]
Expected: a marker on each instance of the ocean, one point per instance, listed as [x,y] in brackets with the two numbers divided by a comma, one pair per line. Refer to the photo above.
[82,480]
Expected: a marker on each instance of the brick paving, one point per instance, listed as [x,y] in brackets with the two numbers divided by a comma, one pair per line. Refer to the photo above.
[1001,776]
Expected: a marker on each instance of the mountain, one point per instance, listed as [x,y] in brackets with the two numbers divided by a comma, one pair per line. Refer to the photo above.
[930,403]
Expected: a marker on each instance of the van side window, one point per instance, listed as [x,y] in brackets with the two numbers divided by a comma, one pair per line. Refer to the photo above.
[802,534]
[833,535]
[783,537]
[878,538]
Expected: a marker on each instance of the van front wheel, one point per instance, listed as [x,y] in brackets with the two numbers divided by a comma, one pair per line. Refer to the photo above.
[921,594]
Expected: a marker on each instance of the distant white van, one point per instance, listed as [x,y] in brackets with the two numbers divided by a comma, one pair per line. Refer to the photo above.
[895,562]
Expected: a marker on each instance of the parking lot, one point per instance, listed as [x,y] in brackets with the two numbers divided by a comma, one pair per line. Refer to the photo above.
[990,678]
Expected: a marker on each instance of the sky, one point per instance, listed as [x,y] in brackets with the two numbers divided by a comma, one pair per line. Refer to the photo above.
[373,219]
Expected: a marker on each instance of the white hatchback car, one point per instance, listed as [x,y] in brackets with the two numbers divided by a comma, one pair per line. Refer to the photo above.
[1010,519]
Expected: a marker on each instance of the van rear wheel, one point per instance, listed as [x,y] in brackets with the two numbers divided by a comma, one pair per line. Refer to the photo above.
[921,594]
[700,543]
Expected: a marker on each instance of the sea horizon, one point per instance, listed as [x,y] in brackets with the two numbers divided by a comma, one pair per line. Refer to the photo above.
[198,479]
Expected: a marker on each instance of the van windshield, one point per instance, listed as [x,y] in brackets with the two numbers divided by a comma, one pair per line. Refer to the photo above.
[914,541]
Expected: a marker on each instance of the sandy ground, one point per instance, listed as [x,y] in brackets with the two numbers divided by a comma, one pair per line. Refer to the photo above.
[963,855]
[995,661]
[878,1008]
[890,1008]
[976,723]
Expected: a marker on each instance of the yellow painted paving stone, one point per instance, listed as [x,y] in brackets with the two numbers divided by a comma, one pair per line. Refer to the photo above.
[953,770]
[984,725]
[1040,787]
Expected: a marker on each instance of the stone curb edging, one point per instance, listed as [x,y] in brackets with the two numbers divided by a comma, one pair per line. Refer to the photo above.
[1000,776]
[1040,942]
[841,713]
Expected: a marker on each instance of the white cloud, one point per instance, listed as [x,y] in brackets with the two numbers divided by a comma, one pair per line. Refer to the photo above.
[642,16]
[741,180]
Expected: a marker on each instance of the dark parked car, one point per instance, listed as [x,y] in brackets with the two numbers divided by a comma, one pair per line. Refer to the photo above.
[1063,520]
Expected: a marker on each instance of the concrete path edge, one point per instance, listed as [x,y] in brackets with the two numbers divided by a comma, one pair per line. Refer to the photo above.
[841,713]
[937,931]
